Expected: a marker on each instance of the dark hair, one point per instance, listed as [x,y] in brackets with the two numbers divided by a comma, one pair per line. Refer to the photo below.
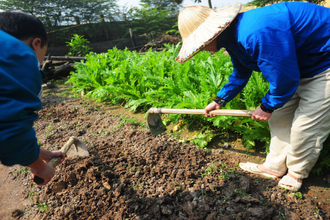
[23,26]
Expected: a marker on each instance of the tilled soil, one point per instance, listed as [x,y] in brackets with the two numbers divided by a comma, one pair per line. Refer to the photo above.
[130,174]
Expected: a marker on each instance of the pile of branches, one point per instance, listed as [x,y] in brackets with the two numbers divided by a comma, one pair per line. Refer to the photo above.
[58,67]
[157,44]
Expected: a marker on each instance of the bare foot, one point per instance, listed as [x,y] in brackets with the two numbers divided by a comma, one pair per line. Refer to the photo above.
[262,168]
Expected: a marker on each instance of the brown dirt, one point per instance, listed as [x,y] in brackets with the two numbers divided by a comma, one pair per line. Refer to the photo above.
[131,174]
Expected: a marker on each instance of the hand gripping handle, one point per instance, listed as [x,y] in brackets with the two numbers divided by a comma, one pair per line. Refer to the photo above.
[56,160]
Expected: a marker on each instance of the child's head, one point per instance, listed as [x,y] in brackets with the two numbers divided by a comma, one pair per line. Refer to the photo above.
[26,28]
[22,26]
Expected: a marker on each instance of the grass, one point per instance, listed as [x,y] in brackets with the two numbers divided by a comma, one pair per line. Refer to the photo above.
[298,195]
[22,170]
[43,206]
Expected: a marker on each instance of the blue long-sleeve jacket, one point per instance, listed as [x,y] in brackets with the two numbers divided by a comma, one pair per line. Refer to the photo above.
[20,84]
[285,41]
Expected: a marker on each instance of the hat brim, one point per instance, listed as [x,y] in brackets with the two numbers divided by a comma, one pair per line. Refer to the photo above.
[217,21]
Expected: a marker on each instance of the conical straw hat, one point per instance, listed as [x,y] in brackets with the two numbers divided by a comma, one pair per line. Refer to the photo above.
[199,25]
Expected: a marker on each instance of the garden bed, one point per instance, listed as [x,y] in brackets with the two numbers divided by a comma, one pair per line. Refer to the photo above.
[130,174]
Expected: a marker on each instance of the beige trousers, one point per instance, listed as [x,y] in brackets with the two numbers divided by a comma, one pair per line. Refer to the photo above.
[300,127]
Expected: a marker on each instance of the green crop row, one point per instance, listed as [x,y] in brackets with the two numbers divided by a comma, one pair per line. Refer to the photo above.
[155,79]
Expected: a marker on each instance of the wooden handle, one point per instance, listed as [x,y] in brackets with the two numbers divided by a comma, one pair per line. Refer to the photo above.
[56,160]
[224,112]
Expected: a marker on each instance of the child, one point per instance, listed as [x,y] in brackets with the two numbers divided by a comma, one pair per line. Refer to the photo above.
[22,50]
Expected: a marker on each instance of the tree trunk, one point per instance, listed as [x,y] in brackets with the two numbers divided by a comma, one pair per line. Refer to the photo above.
[77,19]
[210,3]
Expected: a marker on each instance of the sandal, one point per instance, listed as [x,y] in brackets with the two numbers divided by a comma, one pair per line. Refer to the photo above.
[287,182]
[253,168]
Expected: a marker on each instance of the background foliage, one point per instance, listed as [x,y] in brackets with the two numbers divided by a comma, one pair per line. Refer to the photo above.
[104,20]
[78,46]
[261,3]
[97,20]
[63,12]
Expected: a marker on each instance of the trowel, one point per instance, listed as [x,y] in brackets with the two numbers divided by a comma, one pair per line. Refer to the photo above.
[79,149]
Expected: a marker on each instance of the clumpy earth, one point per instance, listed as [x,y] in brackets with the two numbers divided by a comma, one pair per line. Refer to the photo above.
[131,174]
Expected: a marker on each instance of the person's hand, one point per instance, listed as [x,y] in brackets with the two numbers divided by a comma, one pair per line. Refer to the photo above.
[43,170]
[40,167]
[260,115]
[47,155]
[210,107]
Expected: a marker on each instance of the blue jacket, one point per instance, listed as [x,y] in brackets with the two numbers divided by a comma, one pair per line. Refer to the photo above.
[285,41]
[20,84]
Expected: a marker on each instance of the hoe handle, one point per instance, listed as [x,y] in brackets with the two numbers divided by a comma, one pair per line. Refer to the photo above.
[56,160]
[224,112]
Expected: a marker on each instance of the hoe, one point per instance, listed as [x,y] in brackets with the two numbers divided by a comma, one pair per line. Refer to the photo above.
[157,126]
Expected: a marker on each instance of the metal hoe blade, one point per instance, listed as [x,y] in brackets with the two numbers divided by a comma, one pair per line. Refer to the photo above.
[80,149]
[155,124]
